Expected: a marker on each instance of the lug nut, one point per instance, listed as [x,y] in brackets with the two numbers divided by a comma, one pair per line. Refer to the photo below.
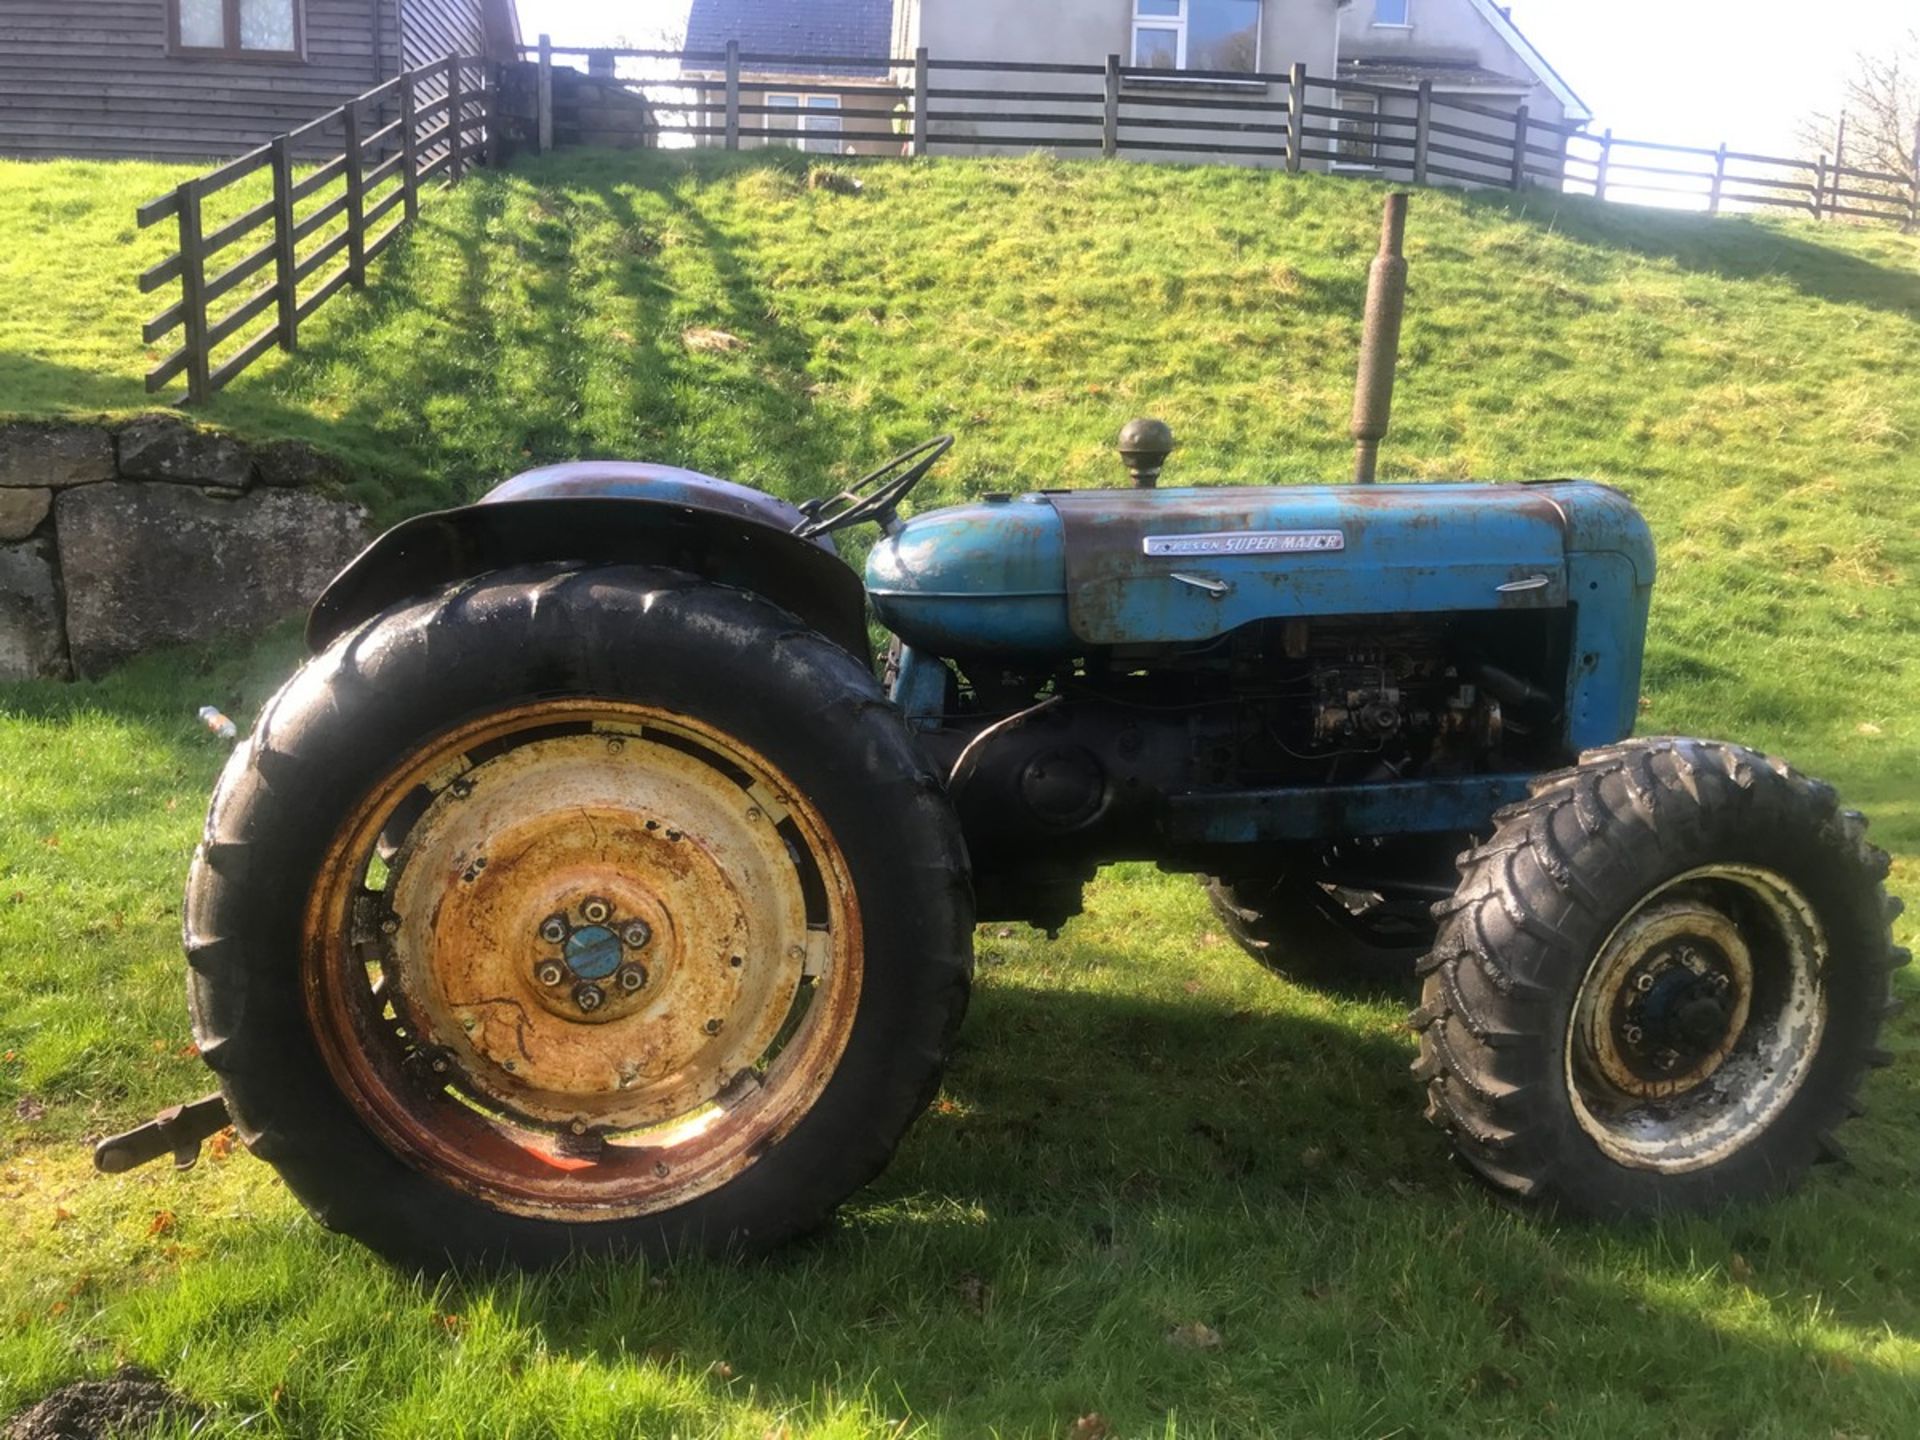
[550,973]
[553,929]
[595,909]
[1643,982]
[587,997]
[1669,1059]
[1632,1034]
[439,1064]
[632,977]
[635,933]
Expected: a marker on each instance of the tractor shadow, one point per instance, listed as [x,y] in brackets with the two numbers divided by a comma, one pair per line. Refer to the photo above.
[1111,1156]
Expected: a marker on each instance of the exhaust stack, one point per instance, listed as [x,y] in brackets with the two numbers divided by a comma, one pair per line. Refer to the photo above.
[1380,341]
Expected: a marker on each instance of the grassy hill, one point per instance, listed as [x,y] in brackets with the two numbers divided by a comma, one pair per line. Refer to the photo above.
[1142,1131]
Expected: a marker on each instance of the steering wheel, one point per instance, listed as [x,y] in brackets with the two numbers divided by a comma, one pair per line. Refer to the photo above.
[875,495]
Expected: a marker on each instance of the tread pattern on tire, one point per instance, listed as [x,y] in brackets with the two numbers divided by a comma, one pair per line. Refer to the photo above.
[1515,940]
[241,937]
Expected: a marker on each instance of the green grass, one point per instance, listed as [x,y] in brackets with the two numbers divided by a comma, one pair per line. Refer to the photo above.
[1141,1130]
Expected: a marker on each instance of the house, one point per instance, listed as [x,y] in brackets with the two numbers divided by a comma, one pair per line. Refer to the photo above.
[1469,50]
[812,104]
[194,79]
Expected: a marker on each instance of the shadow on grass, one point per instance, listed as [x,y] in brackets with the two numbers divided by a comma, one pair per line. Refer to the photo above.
[1121,1149]
[1733,247]
[565,333]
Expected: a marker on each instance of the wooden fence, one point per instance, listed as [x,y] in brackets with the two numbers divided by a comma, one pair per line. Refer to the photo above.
[425,123]
[926,105]
[1722,179]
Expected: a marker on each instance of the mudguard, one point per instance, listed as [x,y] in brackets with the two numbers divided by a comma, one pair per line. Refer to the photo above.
[606,512]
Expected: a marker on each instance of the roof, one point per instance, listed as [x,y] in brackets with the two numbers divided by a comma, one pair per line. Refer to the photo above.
[796,27]
[1501,19]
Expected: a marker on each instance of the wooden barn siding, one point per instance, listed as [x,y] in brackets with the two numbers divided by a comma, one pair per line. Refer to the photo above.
[436,28]
[93,78]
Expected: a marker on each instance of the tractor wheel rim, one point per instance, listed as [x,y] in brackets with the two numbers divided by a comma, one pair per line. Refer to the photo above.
[1699,1018]
[583,959]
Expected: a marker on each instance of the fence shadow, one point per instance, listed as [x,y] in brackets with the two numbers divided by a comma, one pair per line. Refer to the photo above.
[1733,247]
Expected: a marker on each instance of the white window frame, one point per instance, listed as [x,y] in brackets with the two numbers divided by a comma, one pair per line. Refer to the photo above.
[1405,22]
[1177,23]
[804,102]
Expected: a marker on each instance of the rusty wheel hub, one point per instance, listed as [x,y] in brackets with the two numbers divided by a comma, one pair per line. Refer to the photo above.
[1698,1019]
[611,954]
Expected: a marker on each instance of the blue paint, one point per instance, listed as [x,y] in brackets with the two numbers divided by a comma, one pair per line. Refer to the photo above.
[593,952]
[1045,575]
[920,688]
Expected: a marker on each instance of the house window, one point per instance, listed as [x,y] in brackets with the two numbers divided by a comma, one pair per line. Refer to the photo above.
[1393,12]
[234,27]
[1358,125]
[811,122]
[1196,35]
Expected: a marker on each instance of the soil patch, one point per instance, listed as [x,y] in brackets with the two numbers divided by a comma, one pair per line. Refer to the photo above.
[132,1401]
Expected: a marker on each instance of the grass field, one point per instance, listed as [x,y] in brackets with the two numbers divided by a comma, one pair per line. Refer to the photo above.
[1158,1186]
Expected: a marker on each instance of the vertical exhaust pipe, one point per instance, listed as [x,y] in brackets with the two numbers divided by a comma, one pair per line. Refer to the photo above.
[1380,341]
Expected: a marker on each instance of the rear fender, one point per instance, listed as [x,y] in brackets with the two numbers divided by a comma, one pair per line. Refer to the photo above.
[606,513]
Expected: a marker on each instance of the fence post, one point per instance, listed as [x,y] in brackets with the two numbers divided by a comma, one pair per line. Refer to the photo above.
[409,149]
[544,91]
[733,96]
[1519,175]
[455,104]
[1422,119]
[193,303]
[918,145]
[356,197]
[1820,186]
[1719,179]
[1913,204]
[1296,114]
[286,297]
[490,75]
[1110,117]
[1600,167]
[600,64]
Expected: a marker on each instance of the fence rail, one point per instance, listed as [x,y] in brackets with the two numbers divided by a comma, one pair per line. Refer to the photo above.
[923,104]
[424,123]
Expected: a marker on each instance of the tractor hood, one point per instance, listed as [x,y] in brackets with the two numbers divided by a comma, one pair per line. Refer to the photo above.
[1051,572]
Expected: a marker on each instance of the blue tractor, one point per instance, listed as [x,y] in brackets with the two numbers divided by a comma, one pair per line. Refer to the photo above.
[590,888]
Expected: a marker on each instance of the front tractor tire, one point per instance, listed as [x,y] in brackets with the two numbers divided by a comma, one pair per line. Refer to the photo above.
[1660,982]
[578,909]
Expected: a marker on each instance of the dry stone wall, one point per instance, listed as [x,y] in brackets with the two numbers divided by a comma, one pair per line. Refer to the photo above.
[117,539]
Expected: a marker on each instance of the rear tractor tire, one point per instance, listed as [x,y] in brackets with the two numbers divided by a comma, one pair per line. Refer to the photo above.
[1660,982]
[578,909]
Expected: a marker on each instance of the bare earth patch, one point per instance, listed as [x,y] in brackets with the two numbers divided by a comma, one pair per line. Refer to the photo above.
[133,1400]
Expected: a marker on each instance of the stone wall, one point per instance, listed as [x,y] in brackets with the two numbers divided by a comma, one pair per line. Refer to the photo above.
[117,539]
